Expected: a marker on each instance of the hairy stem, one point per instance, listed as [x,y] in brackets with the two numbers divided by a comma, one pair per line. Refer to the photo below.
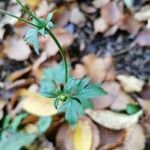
[62,52]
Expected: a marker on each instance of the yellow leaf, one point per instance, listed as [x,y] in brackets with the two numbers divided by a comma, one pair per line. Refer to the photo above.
[32,3]
[36,104]
[83,136]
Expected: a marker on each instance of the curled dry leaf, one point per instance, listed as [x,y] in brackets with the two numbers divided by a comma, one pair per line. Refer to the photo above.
[36,104]
[143,39]
[111,13]
[135,138]
[113,89]
[17,49]
[130,83]
[113,120]
[76,16]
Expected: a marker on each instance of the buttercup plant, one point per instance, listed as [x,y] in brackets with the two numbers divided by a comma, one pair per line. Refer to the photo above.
[72,96]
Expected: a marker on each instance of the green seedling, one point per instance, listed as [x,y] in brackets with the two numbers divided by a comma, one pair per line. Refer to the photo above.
[72,96]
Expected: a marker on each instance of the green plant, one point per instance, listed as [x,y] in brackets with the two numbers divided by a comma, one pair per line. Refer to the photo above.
[72,96]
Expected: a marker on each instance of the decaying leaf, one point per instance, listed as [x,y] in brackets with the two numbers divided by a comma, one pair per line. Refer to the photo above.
[37,105]
[130,83]
[17,49]
[113,120]
[135,138]
[113,89]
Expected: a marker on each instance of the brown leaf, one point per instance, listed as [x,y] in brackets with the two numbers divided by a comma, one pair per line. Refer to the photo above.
[111,13]
[143,39]
[100,3]
[113,120]
[113,89]
[64,37]
[64,138]
[110,138]
[79,71]
[76,16]
[17,49]
[135,138]
[100,25]
[121,101]
[17,74]
[99,69]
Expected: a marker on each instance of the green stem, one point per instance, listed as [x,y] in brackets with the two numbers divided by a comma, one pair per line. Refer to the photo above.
[62,52]
[21,19]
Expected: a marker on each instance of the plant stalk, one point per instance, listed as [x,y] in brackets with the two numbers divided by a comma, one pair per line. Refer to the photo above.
[62,52]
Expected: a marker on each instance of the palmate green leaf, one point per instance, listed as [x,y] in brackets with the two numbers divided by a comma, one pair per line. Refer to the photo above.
[32,38]
[57,73]
[47,88]
[17,140]
[73,109]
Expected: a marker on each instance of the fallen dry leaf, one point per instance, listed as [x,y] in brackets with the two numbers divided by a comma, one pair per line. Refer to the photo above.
[79,71]
[143,14]
[100,3]
[112,13]
[100,25]
[112,120]
[113,89]
[17,49]
[145,104]
[99,69]
[64,138]
[19,73]
[32,3]
[121,101]
[110,139]
[65,39]
[82,138]
[143,39]
[36,104]
[76,16]
[135,139]
[130,83]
